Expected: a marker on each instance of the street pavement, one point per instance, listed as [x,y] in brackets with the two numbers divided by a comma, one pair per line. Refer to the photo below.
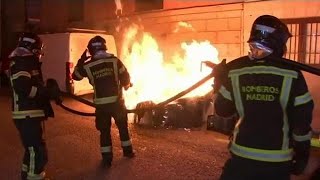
[74,153]
[73,147]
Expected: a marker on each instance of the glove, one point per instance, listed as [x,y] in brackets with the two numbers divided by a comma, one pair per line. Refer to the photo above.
[54,90]
[83,58]
[128,86]
[219,71]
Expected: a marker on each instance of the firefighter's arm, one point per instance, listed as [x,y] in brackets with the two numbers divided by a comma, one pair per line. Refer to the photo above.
[300,116]
[79,72]
[124,76]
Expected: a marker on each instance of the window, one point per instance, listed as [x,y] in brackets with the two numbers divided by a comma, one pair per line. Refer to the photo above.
[75,10]
[147,5]
[304,45]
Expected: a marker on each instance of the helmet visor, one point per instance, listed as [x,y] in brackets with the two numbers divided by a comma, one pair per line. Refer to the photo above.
[259,51]
[261,32]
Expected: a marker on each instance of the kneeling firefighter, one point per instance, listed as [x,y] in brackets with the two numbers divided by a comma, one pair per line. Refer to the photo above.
[271,138]
[31,103]
[108,75]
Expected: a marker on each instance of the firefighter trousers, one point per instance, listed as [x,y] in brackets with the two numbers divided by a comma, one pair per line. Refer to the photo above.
[246,169]
[35,151]
[104,114]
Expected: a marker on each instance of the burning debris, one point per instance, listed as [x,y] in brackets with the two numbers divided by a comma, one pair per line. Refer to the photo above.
[182,113]
[156,78]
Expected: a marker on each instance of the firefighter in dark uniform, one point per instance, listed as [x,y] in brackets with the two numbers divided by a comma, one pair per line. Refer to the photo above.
[271,138]
[30,103]
[107,75]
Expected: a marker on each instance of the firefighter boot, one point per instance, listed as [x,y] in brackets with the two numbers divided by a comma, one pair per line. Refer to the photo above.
[106,159]
[128,152]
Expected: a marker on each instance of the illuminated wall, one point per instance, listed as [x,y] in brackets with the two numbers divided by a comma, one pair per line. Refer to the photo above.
[174,4]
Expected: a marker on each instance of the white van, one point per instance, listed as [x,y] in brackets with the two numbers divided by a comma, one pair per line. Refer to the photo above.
[61,54]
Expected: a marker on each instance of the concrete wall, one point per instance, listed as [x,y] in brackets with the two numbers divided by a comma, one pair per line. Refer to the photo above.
[174,4]
[221,25]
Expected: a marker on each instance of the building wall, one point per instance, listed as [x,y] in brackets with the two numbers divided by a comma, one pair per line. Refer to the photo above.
[174,4]
[97,11]
[221,25]
[13,22]
[54,15]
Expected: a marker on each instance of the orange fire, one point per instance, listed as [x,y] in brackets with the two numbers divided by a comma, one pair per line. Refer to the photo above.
[157,79]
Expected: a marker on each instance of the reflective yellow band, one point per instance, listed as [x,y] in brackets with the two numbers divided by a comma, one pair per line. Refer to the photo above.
[126,143]
[30,113]
[33,92]
[77,74]
[302,99]
[21,73]
[264,70]
[105,100]
[262,155]
[315,142]
[300,138]
[225,93]
[106,149]
[122,69]
[32,156]
[40,176]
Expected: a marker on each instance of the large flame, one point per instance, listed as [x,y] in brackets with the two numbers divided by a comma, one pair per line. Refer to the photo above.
[157,79]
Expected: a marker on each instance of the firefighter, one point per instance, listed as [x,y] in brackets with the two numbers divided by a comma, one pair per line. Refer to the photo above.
[271,138]
[108,76]
[30,103]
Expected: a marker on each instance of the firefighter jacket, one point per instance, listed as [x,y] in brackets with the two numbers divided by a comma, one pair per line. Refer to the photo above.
[29,96]
[107,75]
[274,108]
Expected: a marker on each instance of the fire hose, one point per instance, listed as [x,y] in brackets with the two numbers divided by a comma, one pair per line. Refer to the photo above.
[293,64]
[161,104]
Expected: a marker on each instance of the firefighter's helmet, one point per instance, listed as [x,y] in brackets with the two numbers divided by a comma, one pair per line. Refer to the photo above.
[95,44]
[32,42]
[270,32]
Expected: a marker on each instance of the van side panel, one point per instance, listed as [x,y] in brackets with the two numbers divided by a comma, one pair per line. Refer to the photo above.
[56,53]
[61,48]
